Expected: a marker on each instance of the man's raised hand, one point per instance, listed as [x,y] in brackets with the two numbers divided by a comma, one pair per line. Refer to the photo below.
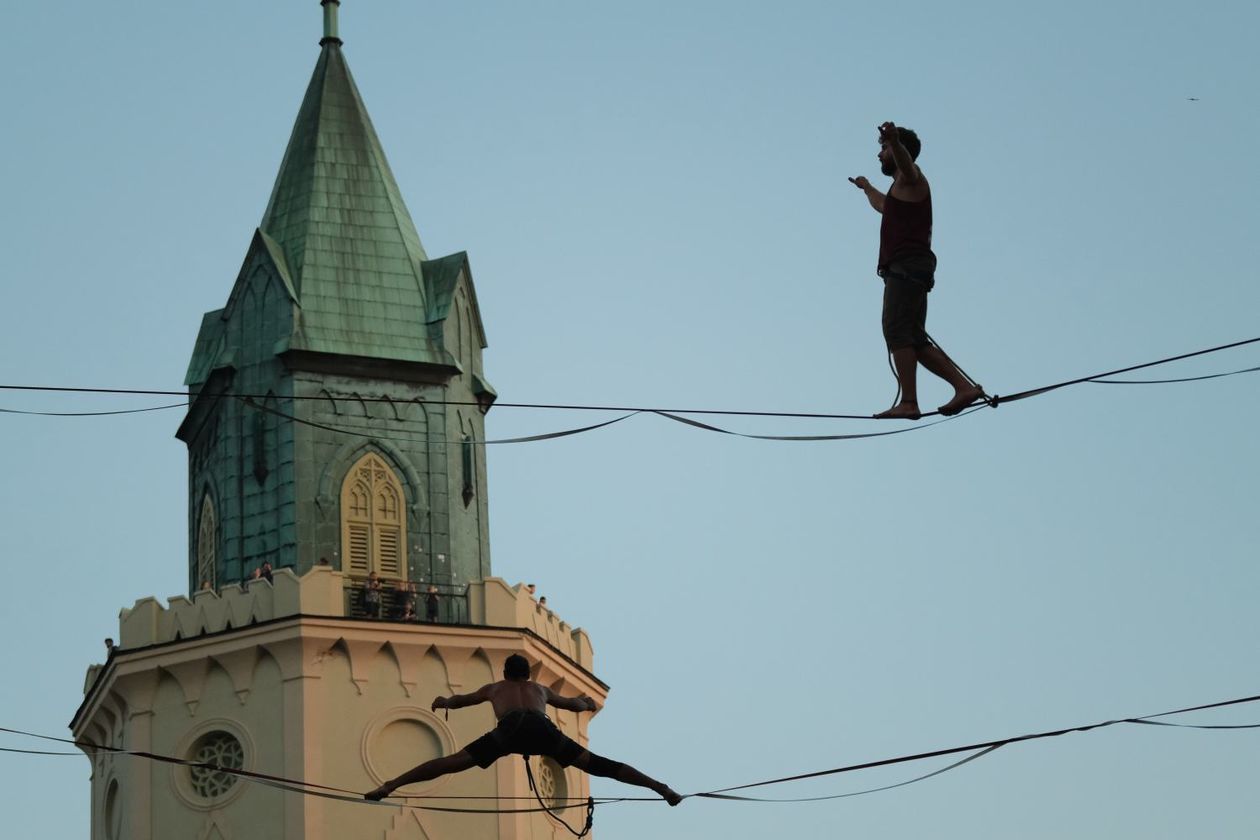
[888,132]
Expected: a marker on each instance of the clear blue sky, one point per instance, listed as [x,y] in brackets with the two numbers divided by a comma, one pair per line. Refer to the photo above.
[654,199]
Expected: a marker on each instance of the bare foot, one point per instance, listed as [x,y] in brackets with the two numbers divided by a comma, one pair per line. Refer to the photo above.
[671,796]
[904,410]
[961,400]
[378,794]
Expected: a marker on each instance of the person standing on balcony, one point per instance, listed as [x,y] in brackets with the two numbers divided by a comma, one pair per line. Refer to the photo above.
[431,605]
[372,596]
[407,600]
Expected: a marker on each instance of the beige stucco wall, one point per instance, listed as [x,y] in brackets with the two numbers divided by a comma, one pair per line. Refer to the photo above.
[313,695]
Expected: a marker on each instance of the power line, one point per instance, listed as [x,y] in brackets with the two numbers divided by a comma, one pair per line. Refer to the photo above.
[1099,377]
[412,439]
[292,785]
[1034,392]
[1172,381]
[675,415]
[988,746]
[727,793]
[566,433]
[92,413]
[978,754]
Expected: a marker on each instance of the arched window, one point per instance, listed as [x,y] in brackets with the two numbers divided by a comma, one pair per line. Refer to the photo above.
[207,540]
[457,312]
[469,462]
[373,520]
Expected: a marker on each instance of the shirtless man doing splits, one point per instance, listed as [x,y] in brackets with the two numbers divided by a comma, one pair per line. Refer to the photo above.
[908,266]
[520,704]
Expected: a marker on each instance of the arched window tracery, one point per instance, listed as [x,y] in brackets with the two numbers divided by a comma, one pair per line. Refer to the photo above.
[207,545]
[373,520]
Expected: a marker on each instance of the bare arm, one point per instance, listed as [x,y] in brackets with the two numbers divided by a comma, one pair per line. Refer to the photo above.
[573,704]
[459,701]
[907,173]
[874,196]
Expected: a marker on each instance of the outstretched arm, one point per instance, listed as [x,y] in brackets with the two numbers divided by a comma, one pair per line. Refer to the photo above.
[874,196]
[459,701]
[573,704]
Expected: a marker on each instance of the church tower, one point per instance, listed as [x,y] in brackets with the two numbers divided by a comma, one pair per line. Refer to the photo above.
[341,344]
[337,406]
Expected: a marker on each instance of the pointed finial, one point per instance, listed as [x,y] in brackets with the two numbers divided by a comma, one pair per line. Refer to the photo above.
[330,22]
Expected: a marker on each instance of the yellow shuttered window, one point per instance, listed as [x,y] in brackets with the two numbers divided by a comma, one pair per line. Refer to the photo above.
[358,548]
[373,525]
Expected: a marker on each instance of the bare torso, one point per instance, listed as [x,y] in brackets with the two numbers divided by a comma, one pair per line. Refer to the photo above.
[509,695]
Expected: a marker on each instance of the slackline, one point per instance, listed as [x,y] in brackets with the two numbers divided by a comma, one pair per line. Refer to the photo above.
[727,793]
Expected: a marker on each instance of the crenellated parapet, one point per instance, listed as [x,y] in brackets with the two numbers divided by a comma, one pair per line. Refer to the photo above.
[324,591]
[515,607]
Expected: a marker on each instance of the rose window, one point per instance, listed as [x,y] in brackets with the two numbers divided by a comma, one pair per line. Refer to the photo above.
[553,788]
[222,750]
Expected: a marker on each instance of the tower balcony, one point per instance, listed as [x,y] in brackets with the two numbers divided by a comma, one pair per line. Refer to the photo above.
[326,592]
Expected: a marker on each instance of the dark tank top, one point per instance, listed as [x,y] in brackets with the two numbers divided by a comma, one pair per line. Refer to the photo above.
[905,234]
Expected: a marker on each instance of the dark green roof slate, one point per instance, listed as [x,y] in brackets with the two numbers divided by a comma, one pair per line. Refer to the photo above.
[208,348]
[350,248]
[482,388]
[282,266]
[344,249]
[441,277]
[211,351]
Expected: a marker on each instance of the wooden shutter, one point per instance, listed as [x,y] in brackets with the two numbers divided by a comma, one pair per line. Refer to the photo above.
[359,548]
[373,520]
[388,552]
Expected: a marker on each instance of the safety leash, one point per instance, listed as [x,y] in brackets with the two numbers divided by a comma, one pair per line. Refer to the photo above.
[990,401]
[590,804]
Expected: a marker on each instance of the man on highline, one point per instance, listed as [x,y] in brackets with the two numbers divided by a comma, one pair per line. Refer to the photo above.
[520,704]
[908,266]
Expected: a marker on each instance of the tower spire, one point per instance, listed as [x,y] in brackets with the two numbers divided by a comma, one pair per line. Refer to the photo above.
[330,22]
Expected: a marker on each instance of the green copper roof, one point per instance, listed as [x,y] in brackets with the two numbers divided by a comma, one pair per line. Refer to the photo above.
[208,350]
[351,250]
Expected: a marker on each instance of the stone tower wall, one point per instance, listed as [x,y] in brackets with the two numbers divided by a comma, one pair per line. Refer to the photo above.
[317,697]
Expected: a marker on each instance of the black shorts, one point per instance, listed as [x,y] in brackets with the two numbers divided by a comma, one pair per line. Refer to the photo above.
[524,732]
[905,310]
